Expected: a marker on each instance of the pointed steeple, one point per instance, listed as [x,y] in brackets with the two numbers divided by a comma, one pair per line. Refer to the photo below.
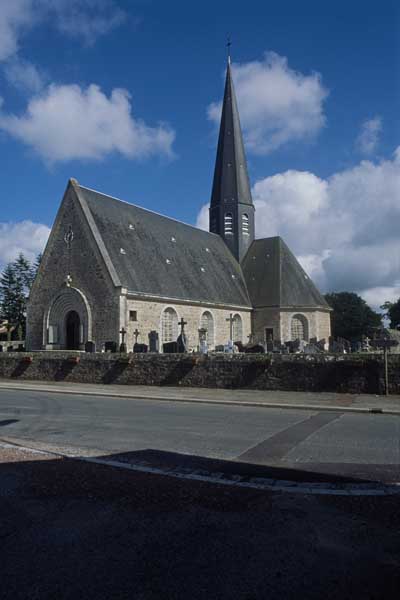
[232,209]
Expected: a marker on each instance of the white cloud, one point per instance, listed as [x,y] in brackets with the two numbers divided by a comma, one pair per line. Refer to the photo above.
[25,236]
[84,19]
[68,122]
[344,229]
[276,103]
[15,17]
[368,138]
[24,75]
[202,221]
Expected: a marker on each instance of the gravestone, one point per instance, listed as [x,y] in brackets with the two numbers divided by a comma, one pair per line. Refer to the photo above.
[140,348]
[90,347]
[10,349]
[20,348]
[219,348]
[110,347]
[254,349]
[182,343]
[170,348]
[203,346]
[1,348]
[154,343]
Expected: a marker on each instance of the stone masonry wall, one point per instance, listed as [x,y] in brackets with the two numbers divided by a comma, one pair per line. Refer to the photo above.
[149,319]
[319,324]
[313,373]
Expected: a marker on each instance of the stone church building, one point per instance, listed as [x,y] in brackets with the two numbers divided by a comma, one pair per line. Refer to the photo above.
[112,267]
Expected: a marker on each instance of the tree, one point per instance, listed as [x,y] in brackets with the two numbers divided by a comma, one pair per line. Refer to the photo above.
[25,272]
[15,284]
[9,294]
[352,317]
[392,313]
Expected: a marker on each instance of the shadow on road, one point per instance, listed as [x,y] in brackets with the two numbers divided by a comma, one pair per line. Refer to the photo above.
[71,529]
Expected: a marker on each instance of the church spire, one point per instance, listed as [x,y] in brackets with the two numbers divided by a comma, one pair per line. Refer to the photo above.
[232,209]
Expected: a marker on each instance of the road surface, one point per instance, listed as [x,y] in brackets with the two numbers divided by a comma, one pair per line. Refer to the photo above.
[365,446]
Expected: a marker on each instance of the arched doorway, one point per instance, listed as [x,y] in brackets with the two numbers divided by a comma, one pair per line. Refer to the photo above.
[72,330]
[58,321]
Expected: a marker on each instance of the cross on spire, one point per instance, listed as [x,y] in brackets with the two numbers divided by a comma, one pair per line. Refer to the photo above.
[228,45]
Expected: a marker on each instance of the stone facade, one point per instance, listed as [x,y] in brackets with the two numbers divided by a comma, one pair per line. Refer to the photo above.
[91,293]
[280,320]
[149,318]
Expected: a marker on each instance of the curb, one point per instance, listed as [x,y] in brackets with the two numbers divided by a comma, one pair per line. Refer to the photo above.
[258,483]
[186,399]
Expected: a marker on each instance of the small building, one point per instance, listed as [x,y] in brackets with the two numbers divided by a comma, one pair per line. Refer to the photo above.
[112,269]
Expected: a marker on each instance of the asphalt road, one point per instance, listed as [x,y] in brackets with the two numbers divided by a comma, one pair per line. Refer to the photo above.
[365,446]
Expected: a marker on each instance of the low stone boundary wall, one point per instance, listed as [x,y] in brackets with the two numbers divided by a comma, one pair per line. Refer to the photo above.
[312,373]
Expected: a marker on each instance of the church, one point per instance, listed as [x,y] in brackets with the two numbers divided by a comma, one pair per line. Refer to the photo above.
[114,272]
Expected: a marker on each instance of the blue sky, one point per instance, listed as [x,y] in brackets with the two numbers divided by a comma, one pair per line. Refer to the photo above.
[123,95]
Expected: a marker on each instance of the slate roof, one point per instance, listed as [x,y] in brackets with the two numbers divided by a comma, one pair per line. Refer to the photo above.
[274,277]
[231,180]
[158,256]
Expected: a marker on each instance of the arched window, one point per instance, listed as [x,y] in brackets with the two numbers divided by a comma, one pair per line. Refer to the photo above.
[207,322]
[169,325]
[245,224]
[299,328]
[237,329]
[228,224]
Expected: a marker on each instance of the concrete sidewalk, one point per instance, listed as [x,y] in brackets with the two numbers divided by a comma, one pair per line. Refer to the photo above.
[268,399]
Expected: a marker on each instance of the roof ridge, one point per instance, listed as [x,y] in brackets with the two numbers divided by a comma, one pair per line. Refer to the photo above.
[154,212]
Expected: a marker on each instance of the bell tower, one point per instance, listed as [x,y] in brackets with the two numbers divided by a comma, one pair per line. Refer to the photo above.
[231,208]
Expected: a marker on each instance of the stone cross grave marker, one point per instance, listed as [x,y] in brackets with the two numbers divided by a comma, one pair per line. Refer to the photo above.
[122,347]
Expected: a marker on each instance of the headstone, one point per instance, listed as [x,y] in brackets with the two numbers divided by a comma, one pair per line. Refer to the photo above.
[229,347]
[140,348]
[220,348]
[1,348]
[203,346]
[295,346]
[154,343]
[254,349]
[311,349]
[182,343]
[20,348]
[170,348]
[90,347]
[122,347]
[10,349]
[110,346]
[270,346]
